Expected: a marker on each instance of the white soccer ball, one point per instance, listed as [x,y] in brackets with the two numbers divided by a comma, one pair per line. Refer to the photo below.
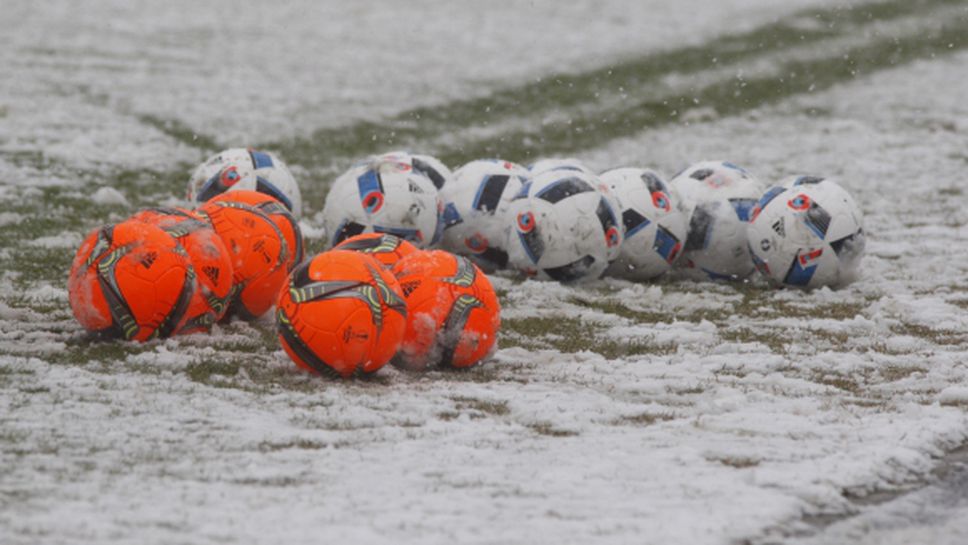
[476,201]
[568,163]
[428,165]
[718,198]
[241,168]
[807,232]
[564,225]
[653,225]
[383,196]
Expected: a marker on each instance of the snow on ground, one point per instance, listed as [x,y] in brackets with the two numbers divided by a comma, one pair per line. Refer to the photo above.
[614,413]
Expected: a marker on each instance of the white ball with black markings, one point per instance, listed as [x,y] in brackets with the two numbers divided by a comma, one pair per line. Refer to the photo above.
[654,227]
[476,200]
[717,197]
[807,232]
[244,168]
[564,225]
[383,196]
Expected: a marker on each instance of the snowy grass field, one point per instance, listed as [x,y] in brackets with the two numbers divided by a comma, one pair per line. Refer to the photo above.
[674,412]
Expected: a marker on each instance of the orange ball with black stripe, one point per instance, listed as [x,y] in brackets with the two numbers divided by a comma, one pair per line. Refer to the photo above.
[278,213]
[453,313]
[131,281]
[341,314]
[386,248]
[209,257]
[258,252]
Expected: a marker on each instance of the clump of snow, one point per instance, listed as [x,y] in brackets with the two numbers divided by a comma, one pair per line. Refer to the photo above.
[109,196]
[9,218]
[65,240]
[954,395]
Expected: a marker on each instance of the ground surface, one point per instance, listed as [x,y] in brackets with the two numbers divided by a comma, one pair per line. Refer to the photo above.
[678,412]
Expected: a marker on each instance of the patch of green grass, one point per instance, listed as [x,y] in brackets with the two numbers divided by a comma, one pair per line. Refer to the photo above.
[942,337]
[620,99]
[487,407]
[182,133]
[547,429]
[744,334]
[644,419]
[610,306]
[203,370]
[738,462]
[850,384]
[572,335]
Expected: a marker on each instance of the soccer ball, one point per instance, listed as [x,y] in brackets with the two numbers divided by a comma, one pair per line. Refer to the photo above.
[342,313]
[428,165]
[569,163]
[131,281]
[717,197]
[806,233]
[383,196]
[387,249]
[258,251]
[241,168]
[475,203]
[209,258]
[654,227]
[564,225]
[279,214]
[453,315]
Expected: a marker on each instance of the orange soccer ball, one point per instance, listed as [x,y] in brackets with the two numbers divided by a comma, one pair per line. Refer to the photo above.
[209,257]
[341,313]
[131,281]
[258,252]
[453,313]
[386,248]
[278,213]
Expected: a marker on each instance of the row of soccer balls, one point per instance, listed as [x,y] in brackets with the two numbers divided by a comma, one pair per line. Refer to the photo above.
[560,220]
[169,271]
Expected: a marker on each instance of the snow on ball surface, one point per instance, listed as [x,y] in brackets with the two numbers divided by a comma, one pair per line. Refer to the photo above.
[717,198]
[383,196]
[807,232]
[428,165]
[476,201]
[653,225]
[564,225]
[242,168]
[558,163]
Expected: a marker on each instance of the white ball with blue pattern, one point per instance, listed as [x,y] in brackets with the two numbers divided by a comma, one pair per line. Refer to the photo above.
[245,168]
[653,225]
[807,232]
[476,200]
[383,195]
[717,197]
[564,225]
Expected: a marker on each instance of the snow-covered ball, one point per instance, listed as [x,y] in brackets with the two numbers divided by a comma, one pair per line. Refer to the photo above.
[564,225]
[717,197]
[428,165]
[476,200]
[242,168]
[558,163]
[383,196]
[807,232]
[654,226]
